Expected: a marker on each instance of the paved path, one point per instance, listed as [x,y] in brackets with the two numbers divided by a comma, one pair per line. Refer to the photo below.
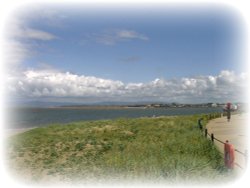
[234,131]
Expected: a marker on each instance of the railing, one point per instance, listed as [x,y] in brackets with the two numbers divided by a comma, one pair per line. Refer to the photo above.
[229,157]
[244,154]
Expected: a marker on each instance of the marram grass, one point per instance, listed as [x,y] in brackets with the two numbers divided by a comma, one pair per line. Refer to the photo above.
[170,149]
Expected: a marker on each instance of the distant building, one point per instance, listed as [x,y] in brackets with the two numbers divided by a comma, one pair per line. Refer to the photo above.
[214,105]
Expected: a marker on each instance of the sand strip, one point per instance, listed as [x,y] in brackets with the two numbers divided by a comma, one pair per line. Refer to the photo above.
[10,132]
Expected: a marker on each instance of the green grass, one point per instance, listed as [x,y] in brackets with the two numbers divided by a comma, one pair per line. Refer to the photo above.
[157,149]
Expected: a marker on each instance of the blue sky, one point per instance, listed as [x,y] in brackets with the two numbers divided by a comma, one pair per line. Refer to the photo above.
[127,44]
[174,41]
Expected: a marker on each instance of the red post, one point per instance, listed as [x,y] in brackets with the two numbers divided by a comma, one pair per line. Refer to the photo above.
[229,155]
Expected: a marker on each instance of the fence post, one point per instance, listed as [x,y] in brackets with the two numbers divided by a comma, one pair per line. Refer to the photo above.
[206,133]
[199,123]
[212,137]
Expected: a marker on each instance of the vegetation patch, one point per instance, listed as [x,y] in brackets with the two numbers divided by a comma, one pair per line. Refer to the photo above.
[170,149]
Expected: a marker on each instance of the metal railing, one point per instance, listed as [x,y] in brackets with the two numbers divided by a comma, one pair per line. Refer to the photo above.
[244,154]
[213,138]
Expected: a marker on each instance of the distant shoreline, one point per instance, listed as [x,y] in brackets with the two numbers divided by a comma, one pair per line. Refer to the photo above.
[124,107]
[92,107]
[129,106]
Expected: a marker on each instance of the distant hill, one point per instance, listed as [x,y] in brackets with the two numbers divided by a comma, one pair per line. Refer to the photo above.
[40,104]
[44,104]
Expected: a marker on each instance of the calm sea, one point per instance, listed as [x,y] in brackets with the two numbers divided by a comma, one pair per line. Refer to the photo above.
[35,117]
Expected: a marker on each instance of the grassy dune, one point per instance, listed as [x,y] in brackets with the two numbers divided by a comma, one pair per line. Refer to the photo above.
[156,149]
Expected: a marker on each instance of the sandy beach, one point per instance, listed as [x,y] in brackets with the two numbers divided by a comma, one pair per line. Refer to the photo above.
[10,132]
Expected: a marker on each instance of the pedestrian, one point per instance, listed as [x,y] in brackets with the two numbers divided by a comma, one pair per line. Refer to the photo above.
[228,109]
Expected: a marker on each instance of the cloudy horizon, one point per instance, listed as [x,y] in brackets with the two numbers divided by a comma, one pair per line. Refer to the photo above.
[226,86]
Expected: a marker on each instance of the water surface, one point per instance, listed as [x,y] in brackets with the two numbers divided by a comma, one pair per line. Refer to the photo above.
[35,117]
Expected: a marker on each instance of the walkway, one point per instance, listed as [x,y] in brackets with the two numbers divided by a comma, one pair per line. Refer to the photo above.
[234,131]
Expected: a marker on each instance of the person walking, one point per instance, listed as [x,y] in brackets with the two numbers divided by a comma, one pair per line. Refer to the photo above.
[228,109]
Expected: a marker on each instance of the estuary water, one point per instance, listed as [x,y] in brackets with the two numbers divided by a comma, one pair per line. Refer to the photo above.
[19,118]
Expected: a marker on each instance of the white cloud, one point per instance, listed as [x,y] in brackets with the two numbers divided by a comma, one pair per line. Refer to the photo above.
[18,44]
[36,34]
[129,34]
[50,15]
[15,52]
[50,83]
[18,29]
[113,36]
[57,84]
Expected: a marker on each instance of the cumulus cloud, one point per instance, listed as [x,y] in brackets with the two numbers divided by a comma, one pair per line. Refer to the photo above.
[57,84]
[113,36]
[50,83]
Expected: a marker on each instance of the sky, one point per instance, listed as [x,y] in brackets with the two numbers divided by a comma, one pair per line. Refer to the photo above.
[88,54]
